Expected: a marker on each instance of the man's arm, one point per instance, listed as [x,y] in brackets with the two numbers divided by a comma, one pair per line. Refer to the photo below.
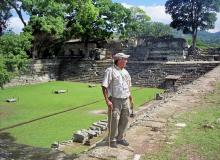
[105,94]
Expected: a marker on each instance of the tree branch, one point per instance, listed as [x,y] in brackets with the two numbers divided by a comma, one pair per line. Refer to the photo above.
[18,12]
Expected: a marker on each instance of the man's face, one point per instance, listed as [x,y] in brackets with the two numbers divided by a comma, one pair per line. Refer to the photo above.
[122,62]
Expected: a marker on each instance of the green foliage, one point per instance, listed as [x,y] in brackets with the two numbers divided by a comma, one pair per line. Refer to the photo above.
[4,74]
[139,25]
[54,8]
[39,100]
[211,39]
[202,44]
[156,29]
[97,20]
[13,57]
[46,23]
[138,22]
[82,23]
[191,16]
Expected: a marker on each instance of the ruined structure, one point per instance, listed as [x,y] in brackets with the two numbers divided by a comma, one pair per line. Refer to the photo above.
[158,49]
[75,48]
[153,63]
[143,73]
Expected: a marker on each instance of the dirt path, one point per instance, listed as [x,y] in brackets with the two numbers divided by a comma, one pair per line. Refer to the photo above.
[148,131]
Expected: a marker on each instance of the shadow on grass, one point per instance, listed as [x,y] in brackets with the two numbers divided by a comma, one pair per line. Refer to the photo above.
[9,149]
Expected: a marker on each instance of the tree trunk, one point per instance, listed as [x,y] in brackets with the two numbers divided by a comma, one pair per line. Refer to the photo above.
[194,36]
[18,12]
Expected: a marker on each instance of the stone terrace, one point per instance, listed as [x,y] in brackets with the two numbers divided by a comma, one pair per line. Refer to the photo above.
[143,73]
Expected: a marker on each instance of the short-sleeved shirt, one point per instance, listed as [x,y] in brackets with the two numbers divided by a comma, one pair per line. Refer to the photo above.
[117,81]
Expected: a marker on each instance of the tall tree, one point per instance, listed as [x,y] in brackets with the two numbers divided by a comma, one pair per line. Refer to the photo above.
[83,23]
[192,15]
[138,22]
[46,23]
[5,14]
[96,20]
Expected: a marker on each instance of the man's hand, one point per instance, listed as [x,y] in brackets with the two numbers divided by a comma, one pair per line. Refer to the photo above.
[109,104]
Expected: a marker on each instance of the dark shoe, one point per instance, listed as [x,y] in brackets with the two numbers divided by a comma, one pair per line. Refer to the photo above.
[123,142]
[113,144]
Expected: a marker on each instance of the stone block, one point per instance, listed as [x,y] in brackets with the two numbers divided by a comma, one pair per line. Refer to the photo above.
[55,145]
[158,97]
[102,127]
[10,100]
[92,85]
[60,91]
[91,133]
[96,129]
[80,136]
[103,123]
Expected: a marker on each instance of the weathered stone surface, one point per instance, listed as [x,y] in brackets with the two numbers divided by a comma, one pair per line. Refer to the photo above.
[105,152]
[60,91]
[92,85]
[55,145]
[80,136]
[10,100]
[103,123]
[91,133]
[102,127]
[158,97]
[145,73]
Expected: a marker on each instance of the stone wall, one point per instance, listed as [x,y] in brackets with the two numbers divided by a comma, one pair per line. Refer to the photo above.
[38,71]
[150,73]
[143,73]
[165,49]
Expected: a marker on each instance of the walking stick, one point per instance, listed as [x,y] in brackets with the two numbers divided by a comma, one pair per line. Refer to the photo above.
[109,132]
[110,121]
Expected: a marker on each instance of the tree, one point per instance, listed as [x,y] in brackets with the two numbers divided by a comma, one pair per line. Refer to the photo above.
[46,23]
[17,6]
[4,15]
[83,23]
[13,57]
[192,15]
[156,29]
[96,20]
[138,22]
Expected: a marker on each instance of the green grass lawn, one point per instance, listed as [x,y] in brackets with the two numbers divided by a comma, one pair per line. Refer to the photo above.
[38,100]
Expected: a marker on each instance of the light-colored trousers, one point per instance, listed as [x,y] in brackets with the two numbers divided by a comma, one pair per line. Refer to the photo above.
[118,118]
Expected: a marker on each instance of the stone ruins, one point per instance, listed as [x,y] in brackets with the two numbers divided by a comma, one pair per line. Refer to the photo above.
[154,62]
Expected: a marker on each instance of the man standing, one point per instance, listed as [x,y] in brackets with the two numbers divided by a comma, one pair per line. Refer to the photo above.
[116,90]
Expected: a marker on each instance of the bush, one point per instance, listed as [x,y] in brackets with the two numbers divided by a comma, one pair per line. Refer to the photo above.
[13,56]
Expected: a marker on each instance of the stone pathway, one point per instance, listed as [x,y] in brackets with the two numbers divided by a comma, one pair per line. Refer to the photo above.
[148,131]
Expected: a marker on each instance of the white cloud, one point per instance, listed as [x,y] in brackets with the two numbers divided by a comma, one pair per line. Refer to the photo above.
[157,14]
[15,24]
[217,25]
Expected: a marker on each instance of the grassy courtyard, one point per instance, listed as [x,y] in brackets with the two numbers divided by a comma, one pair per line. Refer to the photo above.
[38,101]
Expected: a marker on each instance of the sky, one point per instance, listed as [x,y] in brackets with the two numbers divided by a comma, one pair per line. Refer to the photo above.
[154,8]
